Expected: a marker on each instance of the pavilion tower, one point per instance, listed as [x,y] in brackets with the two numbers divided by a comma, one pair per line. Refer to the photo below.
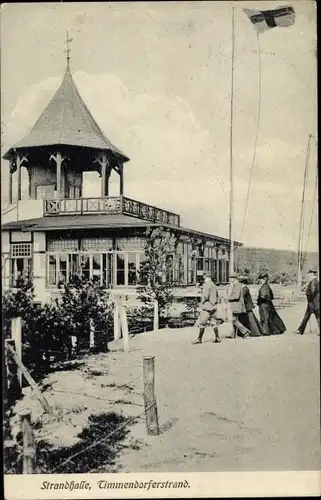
[64,142]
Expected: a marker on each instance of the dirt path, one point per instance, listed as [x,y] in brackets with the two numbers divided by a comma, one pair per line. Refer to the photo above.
[248,404]
[240,405]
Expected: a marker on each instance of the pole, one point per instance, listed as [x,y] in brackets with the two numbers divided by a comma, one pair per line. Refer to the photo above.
[28,377]
[16,334]
[299,270]
[231,269]
[149,396]
[28,444]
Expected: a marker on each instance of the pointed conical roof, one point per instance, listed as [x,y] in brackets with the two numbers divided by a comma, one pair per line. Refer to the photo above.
[67,121]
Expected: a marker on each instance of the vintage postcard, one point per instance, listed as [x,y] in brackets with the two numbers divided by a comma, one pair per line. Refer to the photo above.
[160,265]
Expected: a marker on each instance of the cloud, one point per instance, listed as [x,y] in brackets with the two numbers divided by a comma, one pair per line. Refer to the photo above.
[179,163]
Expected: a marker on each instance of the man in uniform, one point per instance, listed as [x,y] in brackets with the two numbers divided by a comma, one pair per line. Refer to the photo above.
[311,289]
[237,306]
[208,309]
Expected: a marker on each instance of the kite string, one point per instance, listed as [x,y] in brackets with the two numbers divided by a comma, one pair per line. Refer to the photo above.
[256,133]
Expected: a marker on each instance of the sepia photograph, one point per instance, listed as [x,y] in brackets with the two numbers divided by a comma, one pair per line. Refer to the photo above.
[160,260]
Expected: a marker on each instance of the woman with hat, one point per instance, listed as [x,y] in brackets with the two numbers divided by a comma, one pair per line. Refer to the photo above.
[271,322]
[248,318]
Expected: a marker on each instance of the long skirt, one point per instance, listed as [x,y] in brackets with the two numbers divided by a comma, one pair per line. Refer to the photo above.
[271,322]
[252,323]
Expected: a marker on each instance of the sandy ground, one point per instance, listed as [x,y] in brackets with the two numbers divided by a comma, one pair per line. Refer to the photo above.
[249,404]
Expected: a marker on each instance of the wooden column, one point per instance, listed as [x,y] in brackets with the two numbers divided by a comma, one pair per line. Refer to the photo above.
[121,180]
[19,176]
[108,172]
[30,180]
[19,162]
[10,185]
[58,158]
[58,165]
[103,165]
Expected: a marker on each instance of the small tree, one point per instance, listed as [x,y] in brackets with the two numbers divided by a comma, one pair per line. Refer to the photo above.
[156,272]
[81,302]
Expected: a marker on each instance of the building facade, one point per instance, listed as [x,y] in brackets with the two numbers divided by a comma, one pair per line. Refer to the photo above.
[57,232]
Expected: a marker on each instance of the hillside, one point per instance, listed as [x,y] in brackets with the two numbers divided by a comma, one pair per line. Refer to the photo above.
[276,260]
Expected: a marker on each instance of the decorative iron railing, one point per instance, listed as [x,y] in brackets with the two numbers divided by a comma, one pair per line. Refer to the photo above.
[110,205]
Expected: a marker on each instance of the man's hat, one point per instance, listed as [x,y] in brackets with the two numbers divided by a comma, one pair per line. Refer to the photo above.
[243,279]
[264,275]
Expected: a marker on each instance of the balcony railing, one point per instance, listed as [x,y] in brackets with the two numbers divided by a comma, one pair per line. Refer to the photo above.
[110,205]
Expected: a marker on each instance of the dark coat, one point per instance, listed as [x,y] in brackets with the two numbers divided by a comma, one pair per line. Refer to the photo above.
[265,295]
[236,298]
[248,302]
[313,297]
[271,322]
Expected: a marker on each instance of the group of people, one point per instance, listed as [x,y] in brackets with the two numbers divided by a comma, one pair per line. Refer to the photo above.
[244,321]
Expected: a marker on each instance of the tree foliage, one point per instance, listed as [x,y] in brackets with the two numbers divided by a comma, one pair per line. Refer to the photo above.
[47,328]
[156,271]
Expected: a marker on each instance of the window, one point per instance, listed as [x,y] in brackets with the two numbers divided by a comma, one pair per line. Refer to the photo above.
[73,191]
[45,192]
[132,268]
[62,245]
[21,250]
[61,267]
[130,244]
[96,244]
[20,260]
[120,269]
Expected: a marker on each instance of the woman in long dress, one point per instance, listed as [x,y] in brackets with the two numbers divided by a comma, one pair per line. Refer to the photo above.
[271,322]
[248,318]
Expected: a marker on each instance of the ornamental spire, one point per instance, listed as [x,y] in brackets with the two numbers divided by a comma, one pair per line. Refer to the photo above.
[68,49]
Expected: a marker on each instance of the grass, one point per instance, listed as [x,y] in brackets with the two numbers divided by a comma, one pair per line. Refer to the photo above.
[100,457]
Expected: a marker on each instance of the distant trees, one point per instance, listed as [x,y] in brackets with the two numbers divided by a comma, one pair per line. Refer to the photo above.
[252,275]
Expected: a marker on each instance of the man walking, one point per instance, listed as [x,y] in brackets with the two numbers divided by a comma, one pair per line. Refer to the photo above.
[208,309]
[313,306]
[237,306]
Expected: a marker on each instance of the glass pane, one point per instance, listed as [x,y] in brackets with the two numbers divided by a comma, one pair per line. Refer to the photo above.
[73,264]
[52,265]
[97,271]
[132,278]
[120,269]
[85,266]
[63,259]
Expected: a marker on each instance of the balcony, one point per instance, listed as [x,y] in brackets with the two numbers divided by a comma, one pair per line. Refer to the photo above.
[110,205]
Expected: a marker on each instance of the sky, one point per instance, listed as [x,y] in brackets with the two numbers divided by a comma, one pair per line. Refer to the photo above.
[157,78]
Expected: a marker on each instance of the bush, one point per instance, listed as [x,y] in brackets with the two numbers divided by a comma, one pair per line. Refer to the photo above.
[47,329]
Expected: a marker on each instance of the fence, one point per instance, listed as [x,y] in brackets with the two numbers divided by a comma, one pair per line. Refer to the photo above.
[29,445]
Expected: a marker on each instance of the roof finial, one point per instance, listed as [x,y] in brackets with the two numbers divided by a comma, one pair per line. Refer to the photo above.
[68,50]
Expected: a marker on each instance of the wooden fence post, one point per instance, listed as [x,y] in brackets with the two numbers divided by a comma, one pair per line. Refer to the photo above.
[149,396]
[28,444]
[16,335]
[29,378]
[124,327]
[13,385]
[91,334]
[156,315]
[116,318]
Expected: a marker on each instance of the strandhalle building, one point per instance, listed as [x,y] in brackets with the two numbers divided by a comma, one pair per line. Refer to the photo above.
[57,233]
